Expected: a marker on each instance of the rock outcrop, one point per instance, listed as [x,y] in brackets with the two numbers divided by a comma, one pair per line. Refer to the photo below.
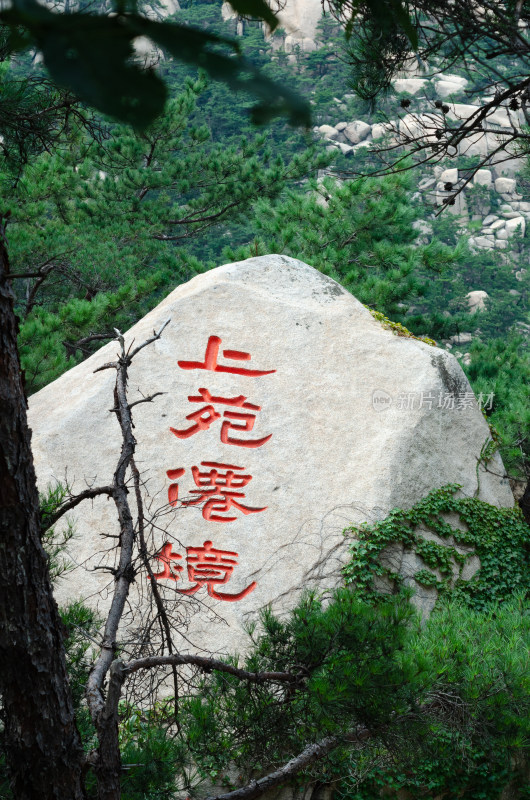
[298,19]
[301,17]
[288,412]
[477,300]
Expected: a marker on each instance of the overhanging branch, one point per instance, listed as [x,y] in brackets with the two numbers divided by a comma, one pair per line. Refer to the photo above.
[48,520]
[208,665]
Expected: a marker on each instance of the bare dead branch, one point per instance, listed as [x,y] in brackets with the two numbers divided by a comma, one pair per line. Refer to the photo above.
[148,399]
[103,705]
[156,594]
[124,573]
[108,365]
[71,347]
[156,335]
[48,520]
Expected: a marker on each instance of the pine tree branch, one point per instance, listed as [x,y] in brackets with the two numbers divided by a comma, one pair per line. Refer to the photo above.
[256,788]
[71,347]
[208,665]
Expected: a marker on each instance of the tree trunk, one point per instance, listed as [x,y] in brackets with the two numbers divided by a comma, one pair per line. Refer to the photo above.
[43,747]
[524,502]
[108,765]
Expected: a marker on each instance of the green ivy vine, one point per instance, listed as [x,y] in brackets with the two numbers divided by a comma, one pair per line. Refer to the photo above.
[500,538]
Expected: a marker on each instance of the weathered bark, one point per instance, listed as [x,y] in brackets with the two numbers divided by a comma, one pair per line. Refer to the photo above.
[108,763]
[43,747]
[313,752]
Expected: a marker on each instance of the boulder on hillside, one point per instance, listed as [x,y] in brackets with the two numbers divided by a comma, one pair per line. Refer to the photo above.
[460,111]
[516,225]
[456,205]
[288,413]
[382,129]
[301,17]
[459,79]
[505,185]
[449,176]
[461,338]
[328,131]
[447,85]
[503,118]
[357,131]
[476,300]
[483,177]
[446,88]
[502,166]
[409,85]
[345,149]
[295,42]
[414,126]
[477,144]
[423,226]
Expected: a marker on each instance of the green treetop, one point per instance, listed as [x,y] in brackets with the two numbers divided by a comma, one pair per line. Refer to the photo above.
[100,230]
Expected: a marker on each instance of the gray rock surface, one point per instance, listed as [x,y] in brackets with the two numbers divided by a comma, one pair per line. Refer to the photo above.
[516,225]
[460,111]
[505,185]
[446,85]
[382,129]
[328,131]
[449,175]
[500,223]
[347,421]
[483,177]
[357,131]
[476,300]
[301,17]
[486,242]
[414,125]
[462,338]
[409,85]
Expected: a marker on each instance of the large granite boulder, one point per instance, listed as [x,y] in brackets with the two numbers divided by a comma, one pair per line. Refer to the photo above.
[288,413]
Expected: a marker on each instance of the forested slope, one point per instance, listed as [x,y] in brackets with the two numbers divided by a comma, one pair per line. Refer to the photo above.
[107,222]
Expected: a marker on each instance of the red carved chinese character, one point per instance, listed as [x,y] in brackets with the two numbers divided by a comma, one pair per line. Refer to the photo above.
[218,490]
[173,491]
[207,415]
[211,567]
[210,361]
[166,557]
